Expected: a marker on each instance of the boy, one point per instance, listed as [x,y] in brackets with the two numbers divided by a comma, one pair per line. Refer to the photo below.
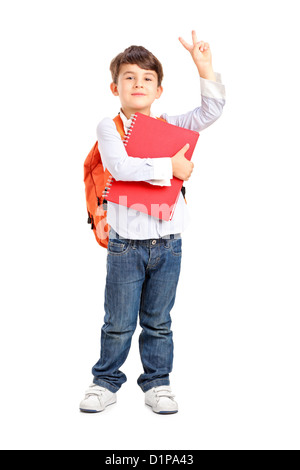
[144,253]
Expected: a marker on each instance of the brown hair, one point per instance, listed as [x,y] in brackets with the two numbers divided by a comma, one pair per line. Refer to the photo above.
[136,55]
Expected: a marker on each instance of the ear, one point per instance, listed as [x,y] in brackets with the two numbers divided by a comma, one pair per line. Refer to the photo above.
[114,89]
[159,92]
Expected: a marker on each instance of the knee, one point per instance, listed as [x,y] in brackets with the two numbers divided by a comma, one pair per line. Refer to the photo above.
[156,329]
[119,329]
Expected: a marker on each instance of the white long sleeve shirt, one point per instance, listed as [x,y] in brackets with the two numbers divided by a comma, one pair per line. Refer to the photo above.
[129,223]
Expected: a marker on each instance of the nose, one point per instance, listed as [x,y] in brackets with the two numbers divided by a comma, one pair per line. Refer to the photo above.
[139,84]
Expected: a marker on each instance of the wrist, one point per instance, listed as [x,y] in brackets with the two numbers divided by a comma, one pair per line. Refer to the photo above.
[207,73]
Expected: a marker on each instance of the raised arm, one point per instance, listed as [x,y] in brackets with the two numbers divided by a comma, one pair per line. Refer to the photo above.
[212,90]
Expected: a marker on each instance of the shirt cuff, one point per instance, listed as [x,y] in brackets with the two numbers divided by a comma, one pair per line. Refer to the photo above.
[162,172]
[212,89]
[160,182]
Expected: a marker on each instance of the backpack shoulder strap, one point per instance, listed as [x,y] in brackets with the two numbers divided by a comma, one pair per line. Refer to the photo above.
[119,124]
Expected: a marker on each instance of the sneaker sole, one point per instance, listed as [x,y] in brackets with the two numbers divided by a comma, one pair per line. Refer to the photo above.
[96,411]
[90,411]
[163,412]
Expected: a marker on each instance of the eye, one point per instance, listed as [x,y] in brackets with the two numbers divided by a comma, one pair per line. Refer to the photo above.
[129,78]
[148,79]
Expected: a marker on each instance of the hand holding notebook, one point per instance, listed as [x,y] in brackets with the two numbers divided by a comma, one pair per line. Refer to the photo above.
[152,138]
[182,168]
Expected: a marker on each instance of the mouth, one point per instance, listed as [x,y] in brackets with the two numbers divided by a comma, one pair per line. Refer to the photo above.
[138,94]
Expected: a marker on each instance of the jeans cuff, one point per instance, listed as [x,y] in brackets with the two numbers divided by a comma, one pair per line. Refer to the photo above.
[154,383]
[103,383]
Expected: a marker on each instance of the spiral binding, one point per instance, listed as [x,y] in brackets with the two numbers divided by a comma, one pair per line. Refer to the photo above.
[108,185]
[125,142]
[127,136]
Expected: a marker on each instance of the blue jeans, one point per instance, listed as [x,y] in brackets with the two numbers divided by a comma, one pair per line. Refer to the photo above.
[142,278]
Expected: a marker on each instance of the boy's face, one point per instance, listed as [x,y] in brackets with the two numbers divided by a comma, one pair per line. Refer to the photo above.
[137,89]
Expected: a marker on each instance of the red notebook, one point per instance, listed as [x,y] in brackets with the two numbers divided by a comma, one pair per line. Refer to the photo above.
[152,138]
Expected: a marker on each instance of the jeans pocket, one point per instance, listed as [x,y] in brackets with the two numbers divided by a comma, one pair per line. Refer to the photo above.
[118,247]
[176,246]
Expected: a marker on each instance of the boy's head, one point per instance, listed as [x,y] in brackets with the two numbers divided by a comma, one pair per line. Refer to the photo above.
[136,55]
[137,75]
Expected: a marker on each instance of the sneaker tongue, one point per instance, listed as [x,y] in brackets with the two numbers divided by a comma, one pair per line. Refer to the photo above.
[96,388]
[163,387]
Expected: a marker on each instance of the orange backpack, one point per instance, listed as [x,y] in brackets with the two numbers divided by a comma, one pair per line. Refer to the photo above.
[96,181]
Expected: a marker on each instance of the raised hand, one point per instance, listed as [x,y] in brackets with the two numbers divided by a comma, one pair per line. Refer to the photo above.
[201,54]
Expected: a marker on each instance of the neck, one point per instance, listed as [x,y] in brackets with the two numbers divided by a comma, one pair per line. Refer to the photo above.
[128,112]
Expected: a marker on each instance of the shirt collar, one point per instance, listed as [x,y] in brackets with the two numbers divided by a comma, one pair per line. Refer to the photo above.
[127,122]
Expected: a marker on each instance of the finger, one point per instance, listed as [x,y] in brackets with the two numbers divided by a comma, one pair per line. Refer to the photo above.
[186,45]
[200,45]
[185,148]
[194,37]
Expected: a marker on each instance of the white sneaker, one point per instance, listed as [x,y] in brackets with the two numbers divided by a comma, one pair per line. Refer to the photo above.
[97,399]
[161,400]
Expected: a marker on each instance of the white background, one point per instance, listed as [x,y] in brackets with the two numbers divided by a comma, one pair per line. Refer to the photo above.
[236,320]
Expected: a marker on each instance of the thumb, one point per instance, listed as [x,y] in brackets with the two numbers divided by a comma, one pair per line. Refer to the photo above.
[185,148]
